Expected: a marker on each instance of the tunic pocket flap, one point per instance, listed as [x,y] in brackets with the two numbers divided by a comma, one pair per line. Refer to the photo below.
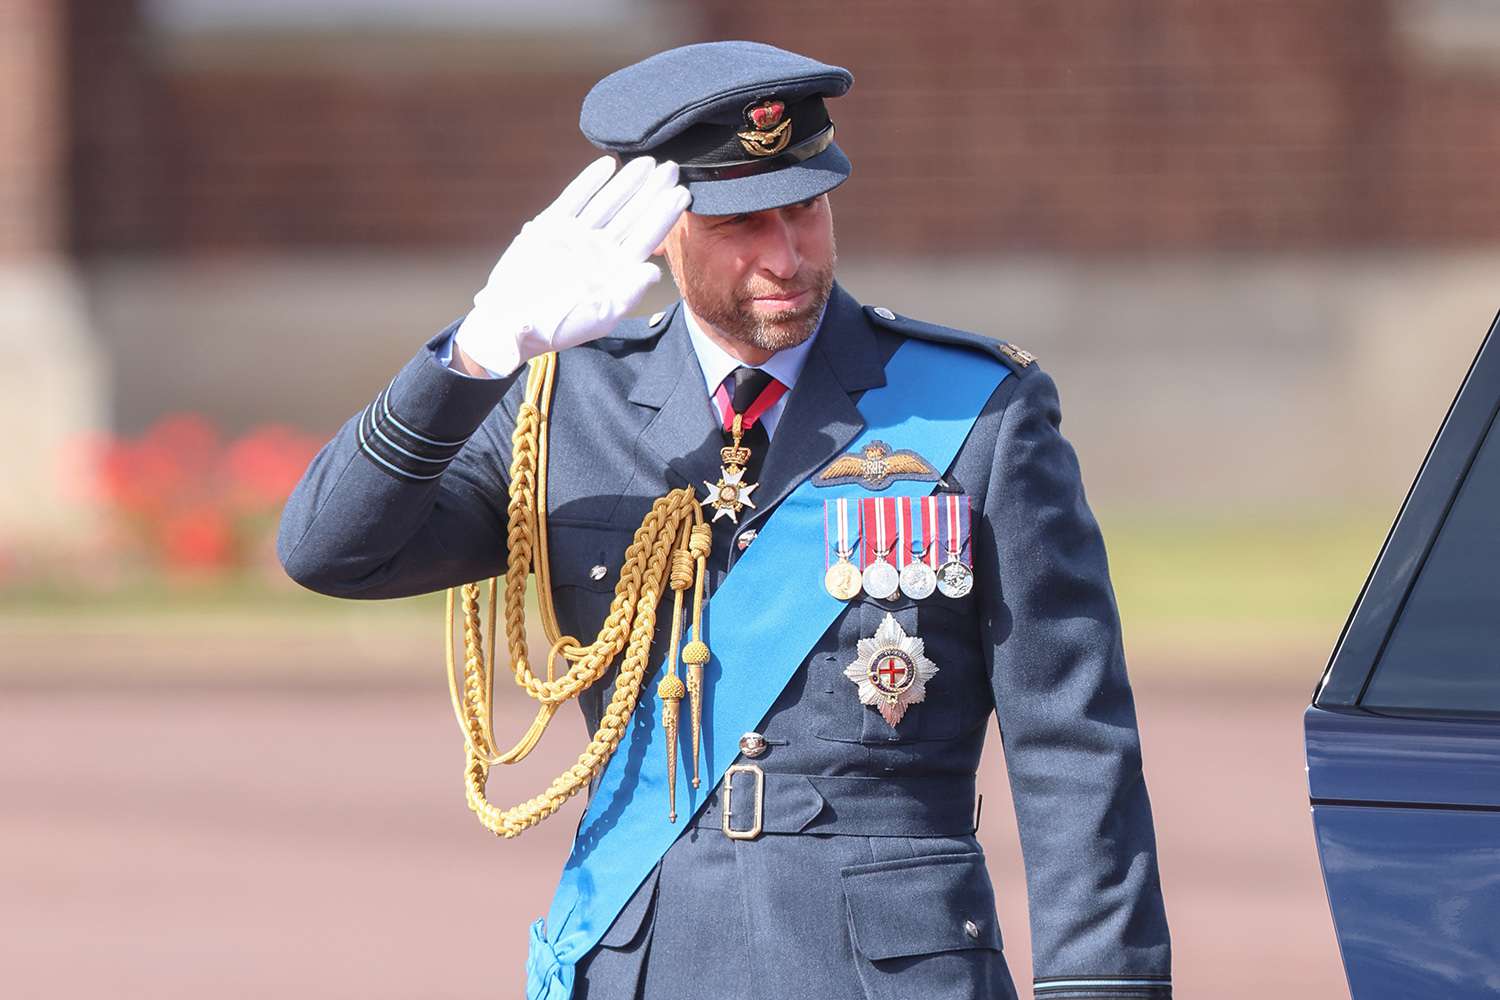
[920,906]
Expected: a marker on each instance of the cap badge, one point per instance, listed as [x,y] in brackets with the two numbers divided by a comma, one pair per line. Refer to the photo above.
[769,131]
[876,467]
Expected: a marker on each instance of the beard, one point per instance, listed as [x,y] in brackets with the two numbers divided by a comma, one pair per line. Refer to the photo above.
[730,312]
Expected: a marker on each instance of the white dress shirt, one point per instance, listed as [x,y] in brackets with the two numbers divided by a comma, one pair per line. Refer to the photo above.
[717,363]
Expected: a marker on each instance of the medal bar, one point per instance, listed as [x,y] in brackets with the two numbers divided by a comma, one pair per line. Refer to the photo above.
[842,578]
[955,577]
[878,515]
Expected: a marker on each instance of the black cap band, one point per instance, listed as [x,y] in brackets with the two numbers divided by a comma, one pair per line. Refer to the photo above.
[806,149]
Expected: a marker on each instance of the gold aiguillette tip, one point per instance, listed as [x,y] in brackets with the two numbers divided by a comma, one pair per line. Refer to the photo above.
[671,691]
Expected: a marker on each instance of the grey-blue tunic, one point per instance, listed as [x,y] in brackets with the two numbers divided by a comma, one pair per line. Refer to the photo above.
[870,883]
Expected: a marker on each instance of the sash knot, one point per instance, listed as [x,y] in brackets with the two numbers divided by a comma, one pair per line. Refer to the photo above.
[548,977]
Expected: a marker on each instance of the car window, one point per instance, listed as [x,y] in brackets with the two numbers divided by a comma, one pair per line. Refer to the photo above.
[1444,652]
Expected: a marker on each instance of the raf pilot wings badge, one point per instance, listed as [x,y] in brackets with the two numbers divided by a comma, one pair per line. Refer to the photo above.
[877,466]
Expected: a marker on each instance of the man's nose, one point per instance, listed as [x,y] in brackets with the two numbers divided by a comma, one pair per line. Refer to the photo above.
[779,252]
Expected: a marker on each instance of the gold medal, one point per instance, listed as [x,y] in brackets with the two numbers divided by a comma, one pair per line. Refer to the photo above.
[843,580]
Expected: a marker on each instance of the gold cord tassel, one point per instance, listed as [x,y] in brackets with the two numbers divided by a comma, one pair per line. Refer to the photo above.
[671,691]
[667,551]
[695,655]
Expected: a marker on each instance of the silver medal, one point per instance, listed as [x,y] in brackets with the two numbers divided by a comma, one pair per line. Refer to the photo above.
[954,579]
[918,580]
[881,581]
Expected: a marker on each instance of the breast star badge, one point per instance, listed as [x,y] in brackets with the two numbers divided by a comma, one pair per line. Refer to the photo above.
[891,670]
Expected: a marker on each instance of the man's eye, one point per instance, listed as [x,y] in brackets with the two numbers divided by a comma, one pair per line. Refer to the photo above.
[735,220]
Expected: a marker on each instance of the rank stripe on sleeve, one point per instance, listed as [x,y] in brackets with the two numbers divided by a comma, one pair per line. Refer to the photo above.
[397,448]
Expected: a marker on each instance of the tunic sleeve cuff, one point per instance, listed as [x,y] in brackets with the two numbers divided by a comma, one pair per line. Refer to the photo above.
[1117,987]
[417,425]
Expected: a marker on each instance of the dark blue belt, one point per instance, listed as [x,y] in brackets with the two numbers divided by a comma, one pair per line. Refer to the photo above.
[772,802]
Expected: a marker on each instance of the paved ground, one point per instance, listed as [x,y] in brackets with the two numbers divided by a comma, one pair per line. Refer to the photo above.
[304,841]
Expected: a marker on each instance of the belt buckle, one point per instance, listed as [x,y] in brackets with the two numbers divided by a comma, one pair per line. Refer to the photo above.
[760,802]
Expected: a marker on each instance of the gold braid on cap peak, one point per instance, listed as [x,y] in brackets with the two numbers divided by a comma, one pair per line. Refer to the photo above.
[670,550]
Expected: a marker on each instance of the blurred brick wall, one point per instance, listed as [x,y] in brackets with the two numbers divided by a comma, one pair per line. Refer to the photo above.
[32,130]
[1088,126]
[123,138]
[1155,124]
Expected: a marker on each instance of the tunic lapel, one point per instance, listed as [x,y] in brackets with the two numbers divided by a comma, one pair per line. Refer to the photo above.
[684,435]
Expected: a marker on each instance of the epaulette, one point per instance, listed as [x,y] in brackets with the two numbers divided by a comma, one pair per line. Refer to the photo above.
[1019,361]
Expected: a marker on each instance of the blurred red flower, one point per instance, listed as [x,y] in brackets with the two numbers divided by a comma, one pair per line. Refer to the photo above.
[186,499]
[264,465]
[202,538]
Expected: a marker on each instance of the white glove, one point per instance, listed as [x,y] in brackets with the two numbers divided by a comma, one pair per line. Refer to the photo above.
[575,270]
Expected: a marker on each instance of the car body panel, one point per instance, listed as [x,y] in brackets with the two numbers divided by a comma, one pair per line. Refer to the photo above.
[1403,735]
[1416,898]
[1355,757]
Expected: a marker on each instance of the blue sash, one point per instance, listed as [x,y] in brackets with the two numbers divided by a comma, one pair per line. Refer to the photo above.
[625,831]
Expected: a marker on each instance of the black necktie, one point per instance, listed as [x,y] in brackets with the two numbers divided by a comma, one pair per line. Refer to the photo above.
[745,386]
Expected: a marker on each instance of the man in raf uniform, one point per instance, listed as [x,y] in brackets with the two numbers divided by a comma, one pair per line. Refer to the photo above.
[900,547]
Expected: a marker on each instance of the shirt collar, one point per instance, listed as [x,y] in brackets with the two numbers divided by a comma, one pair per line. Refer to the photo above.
[717,363]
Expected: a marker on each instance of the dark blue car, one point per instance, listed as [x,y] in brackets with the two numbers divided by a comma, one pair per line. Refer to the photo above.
[1403,735]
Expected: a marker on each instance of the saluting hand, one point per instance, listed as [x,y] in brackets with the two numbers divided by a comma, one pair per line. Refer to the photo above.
[576,269]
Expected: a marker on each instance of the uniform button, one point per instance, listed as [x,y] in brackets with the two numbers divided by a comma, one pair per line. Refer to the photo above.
[656,318]
[883,312]
[752,745]
[598,572]
[971,929]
